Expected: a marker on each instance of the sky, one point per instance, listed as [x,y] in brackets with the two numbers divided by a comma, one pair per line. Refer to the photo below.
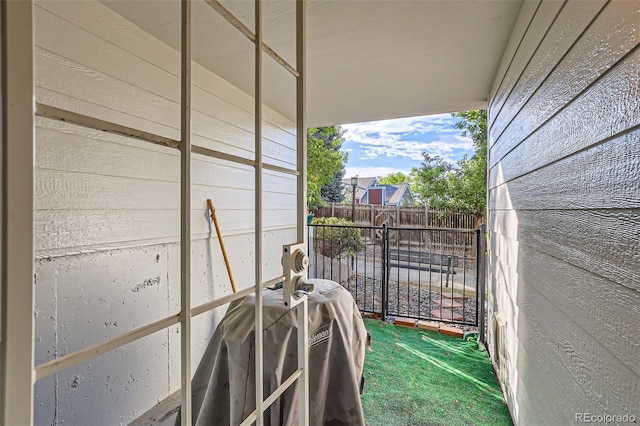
[378,148]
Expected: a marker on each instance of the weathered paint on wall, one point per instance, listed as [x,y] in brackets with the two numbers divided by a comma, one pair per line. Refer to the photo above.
[564,211]
[108,208]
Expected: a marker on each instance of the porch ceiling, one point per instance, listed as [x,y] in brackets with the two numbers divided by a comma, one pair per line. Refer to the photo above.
[367,60]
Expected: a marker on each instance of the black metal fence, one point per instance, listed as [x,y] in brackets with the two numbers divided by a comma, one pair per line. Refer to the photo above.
[422,273]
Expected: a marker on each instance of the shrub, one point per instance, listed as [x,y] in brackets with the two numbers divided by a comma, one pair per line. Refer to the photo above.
[336,237]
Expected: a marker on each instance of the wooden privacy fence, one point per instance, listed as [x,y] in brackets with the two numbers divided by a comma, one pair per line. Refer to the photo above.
[423,217]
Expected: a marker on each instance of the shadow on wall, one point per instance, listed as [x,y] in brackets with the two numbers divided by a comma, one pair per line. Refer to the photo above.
[503,312]
[87,298]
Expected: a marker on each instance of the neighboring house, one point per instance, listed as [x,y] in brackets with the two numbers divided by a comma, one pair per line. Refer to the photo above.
[95,231]
[371,191]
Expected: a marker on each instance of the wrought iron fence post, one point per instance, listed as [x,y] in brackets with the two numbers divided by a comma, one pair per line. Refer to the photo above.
[481,277]
[385,275]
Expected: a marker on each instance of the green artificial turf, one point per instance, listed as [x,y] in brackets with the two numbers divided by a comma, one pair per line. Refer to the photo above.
[416,377]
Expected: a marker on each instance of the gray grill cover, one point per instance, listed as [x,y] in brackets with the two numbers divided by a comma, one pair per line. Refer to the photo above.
[224,384]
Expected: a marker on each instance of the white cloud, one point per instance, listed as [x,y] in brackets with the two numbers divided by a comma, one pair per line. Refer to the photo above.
[371,171]
[388,138]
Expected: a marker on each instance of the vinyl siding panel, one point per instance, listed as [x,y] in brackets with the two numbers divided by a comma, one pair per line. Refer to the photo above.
[589,119]
[107,220]
[603,43]
[543,16]
[564,212]
[569,23]
[582,181]
[527,11]
[83,82]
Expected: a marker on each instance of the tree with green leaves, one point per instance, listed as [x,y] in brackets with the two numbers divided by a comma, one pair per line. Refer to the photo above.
[469,182]
[325,165]
[395,178]
[433,182]
[462,187]
[474,125]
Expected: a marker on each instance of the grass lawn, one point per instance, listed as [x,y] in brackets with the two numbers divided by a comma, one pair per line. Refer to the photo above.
[416,377]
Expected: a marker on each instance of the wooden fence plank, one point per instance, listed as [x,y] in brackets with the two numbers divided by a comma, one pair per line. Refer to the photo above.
[373,215]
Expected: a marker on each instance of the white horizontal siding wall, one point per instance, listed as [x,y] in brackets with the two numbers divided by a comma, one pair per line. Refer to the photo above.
[564,211]
[108,209]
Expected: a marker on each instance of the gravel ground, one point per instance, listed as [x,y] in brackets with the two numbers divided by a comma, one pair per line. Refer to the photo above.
[405,300]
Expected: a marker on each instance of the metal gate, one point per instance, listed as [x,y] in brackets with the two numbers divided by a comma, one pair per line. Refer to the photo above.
[423,273]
